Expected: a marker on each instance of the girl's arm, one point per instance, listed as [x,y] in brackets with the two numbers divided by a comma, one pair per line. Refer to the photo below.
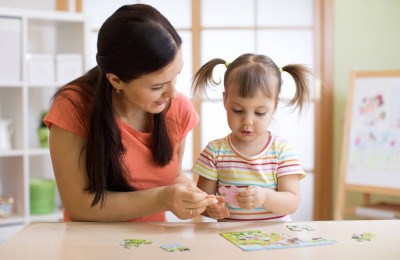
[283,201]
[72,181]
[207,185]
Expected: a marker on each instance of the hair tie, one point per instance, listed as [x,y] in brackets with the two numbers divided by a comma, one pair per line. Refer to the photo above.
[227,64]
[280,69]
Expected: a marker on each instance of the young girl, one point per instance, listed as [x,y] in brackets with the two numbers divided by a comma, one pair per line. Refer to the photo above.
[263,167]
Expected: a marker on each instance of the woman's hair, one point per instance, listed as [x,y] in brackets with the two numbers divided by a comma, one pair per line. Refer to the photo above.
[252,72]
[135,40]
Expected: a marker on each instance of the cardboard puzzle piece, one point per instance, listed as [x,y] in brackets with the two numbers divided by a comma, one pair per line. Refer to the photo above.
[130,243]
[300,227]
[230,194]
[361,237]
[174,247]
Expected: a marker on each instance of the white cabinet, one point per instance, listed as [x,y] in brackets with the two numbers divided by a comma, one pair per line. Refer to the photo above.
[30,42]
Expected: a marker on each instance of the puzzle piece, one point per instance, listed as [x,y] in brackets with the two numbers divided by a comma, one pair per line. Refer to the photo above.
[300,227]
[129,243]
[229,194]
[174,247]
[368,236]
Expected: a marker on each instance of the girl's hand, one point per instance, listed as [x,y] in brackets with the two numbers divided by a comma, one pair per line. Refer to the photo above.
[217,211]
[252,197]
[185,200]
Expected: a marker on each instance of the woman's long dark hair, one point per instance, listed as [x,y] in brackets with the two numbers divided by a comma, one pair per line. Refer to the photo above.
[134,41]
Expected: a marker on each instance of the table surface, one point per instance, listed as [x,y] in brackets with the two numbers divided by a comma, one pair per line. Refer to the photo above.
[91,240]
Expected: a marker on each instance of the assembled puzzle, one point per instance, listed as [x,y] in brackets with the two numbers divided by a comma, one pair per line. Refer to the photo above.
[256,240]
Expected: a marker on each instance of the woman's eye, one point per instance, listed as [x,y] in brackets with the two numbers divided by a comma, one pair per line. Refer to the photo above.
[158,88]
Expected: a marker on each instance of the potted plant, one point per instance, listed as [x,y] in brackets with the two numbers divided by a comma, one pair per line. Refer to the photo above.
[43,131]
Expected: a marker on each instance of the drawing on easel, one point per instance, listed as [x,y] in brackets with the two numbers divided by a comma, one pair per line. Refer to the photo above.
[370,159]
[375,136]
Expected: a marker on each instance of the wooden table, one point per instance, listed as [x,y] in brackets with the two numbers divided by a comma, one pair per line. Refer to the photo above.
[102,241]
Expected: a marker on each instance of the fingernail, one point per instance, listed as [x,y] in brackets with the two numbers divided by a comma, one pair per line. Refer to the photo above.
[215,201]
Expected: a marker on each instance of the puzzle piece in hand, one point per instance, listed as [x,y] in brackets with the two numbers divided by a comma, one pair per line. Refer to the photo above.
[300,227]
[229,194]
[129,243]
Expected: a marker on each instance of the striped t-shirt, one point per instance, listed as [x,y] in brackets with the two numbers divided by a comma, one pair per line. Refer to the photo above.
[222,162]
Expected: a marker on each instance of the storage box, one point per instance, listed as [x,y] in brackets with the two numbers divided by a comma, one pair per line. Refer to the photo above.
[69,67]
[10,49]
[42,195]
[40,69]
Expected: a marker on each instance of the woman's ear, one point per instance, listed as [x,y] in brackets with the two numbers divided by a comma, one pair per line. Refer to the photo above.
[114,80]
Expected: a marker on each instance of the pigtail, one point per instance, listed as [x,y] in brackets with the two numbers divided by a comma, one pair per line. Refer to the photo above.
[301,76]
[204,77]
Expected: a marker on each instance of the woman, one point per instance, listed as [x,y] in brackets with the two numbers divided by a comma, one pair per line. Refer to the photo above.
[117,134]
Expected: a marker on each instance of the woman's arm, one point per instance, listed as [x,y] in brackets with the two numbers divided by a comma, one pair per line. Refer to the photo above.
[180,176]
[72,181]
[218,210]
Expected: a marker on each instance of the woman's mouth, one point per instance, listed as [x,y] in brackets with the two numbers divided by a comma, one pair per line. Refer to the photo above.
[160,103]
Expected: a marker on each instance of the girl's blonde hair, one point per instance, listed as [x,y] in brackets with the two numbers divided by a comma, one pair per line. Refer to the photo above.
[254,72]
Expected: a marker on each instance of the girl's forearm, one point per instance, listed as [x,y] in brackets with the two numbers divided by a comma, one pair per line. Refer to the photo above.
[281,202]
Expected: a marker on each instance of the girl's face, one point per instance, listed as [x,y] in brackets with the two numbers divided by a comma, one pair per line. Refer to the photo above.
[152,92]
[248,117]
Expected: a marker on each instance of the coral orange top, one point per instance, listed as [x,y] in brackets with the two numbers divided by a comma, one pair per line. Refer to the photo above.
[181,117]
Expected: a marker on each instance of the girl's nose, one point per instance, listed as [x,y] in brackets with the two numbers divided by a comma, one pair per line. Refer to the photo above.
[247,120]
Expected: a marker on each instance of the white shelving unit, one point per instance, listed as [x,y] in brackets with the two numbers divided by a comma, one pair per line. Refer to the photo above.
[41,32]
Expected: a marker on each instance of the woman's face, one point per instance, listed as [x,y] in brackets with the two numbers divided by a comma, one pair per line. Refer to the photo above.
[151,92]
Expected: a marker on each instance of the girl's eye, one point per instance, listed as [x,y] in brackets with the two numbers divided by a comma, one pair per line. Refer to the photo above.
[260,113]
[237,111]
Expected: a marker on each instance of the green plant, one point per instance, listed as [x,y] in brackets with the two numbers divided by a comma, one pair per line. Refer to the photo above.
[42,115]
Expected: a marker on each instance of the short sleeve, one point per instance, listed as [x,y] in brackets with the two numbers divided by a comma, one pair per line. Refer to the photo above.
[288,162]
[67,115]
[205,165]
[184,111]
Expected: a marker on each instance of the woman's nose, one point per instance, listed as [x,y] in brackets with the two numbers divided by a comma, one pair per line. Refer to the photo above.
[171,91]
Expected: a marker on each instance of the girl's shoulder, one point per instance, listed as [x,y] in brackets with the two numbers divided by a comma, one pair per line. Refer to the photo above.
[279,142]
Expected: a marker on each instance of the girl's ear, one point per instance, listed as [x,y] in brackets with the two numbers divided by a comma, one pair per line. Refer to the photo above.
[114,80]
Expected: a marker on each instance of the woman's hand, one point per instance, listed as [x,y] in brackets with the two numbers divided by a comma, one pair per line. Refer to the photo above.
[185,200]
[217,211]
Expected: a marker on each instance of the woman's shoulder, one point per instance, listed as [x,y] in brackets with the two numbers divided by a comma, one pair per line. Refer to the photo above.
[182,107]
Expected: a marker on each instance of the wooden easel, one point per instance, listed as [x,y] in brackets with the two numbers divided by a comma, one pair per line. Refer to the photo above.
[368,84]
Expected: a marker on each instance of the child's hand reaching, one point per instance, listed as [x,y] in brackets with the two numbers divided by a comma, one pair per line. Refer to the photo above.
[252,197]
[218,210]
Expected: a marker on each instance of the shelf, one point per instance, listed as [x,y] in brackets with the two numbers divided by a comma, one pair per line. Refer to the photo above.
[12,220]
[39,151]
[56,216]
[23,98]
[11,153]
[16,84]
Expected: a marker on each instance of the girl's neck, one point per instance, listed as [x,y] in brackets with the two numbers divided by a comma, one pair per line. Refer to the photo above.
[250,148]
